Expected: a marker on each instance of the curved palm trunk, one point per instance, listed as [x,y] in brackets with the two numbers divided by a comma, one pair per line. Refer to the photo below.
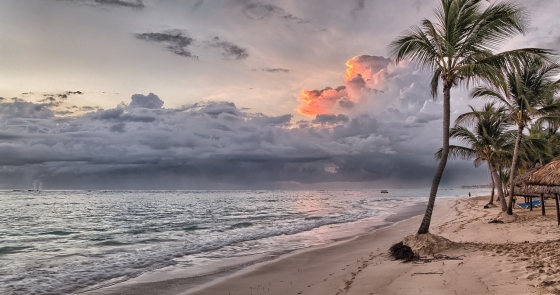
[498,181]
[425,225]
[514,168]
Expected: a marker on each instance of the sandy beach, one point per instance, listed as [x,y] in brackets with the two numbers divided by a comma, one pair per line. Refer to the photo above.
[489,258]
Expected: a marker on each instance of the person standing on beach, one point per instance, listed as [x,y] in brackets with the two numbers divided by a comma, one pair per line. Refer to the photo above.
[469,194]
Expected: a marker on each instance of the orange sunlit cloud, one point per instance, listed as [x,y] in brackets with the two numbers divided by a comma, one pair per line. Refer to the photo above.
[364,73]
[314,102]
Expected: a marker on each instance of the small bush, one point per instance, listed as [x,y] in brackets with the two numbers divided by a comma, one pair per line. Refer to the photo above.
[400,251]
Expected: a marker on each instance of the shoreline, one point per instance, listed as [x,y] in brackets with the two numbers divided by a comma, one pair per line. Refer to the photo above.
[485,258]
[488,258]
[190,284]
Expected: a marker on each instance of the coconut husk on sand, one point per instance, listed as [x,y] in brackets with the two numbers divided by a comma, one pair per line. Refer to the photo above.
[427,244]
[506,218]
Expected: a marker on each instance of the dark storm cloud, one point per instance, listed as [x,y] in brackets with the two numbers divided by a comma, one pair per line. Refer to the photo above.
[229,50]
[120,127]
[258,10]
[193,146]
[150,101]
[24,110]
[279,120]
[175,41]
[330,119]
[138,4]
[120,115]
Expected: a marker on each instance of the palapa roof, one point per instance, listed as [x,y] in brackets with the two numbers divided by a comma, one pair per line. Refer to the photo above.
[545,180]
[549,175]
[522,180]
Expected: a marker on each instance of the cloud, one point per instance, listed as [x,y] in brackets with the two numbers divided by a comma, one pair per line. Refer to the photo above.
[197,5]
[360,5]
[201,145]
[197,145]
[316,102]
[257,10]
[120,127]
[364,77]
[283,120]
[138,4]
[150,101]
[24,110]
[133,4]
[122,115]
[330,119]
[274,70]
[229,50]
[175,41]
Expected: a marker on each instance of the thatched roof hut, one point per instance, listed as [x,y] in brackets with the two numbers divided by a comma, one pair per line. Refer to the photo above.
[545,180]
[548,176]
[542,180]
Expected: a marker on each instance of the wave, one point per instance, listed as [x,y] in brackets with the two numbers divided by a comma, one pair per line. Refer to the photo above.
[59,233]
[242,225]
[10,250]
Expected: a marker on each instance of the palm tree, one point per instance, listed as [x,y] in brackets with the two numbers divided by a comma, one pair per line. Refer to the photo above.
[488,141]
[491,202]
[545,129]
[458,48]
[525,89]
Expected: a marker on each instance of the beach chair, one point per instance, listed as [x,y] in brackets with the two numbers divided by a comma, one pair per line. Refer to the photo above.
[536,204]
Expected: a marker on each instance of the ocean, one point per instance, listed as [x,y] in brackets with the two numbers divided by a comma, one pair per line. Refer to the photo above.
[66,242]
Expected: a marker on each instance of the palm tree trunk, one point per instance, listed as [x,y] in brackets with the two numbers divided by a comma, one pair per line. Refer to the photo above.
[425,225]
[493,187]
[520,128]
[498,181]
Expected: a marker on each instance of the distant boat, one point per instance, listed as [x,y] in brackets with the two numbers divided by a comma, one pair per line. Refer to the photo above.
[384,191]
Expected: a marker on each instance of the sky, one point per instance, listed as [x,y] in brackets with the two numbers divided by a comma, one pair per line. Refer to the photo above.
[223,94]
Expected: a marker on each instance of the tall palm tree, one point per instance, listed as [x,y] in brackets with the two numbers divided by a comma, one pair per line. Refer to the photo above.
[525,91]
[487,142]
[458,48]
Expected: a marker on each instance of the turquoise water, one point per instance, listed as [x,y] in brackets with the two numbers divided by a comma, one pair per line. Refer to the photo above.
[62,242]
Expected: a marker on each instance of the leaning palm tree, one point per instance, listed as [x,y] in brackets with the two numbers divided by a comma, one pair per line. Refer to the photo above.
[525,89]
[487,142]
[458,48]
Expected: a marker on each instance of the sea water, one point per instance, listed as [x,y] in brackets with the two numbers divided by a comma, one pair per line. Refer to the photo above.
[64,242]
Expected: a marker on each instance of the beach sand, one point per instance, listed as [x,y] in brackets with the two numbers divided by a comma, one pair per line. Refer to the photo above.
[489,258]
